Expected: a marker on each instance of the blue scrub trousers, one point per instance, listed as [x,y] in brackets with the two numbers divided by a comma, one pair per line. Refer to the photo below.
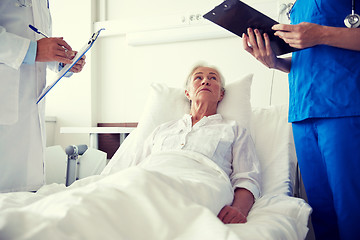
[328,152]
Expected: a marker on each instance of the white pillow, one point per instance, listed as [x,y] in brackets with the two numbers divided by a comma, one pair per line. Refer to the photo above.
[165,104]
[236,103]
[275,148]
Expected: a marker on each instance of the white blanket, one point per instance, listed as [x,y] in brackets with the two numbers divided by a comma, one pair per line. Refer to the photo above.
[166,202]
[158,201]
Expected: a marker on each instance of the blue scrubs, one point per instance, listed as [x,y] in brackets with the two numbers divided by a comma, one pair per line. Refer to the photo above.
[328,151]
[324,107]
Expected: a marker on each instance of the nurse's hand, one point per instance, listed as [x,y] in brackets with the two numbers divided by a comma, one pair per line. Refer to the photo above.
[302,35]
[78,65]
[53,49]
[259,47]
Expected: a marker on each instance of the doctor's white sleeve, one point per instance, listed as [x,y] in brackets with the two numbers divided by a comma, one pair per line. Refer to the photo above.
[13,48]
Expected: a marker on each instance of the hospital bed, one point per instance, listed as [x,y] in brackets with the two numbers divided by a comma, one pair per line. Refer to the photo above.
[64,166]
[94,208]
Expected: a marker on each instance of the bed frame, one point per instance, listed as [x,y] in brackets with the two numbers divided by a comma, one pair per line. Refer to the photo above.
[110,142]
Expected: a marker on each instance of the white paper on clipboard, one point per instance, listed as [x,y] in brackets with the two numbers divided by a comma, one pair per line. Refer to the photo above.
[67,67]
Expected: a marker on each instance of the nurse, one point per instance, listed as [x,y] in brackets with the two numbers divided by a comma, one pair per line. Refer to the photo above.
[324,107]
[23,57]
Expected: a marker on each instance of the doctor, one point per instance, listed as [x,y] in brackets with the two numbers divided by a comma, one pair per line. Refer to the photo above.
[324,107]
[23,57]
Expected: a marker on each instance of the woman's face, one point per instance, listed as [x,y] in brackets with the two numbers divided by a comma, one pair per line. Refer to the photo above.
[205,85]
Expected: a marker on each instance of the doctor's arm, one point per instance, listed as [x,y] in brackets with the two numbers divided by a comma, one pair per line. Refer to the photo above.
[14,49]
[259,47]
[53,49]
[304,35]
[56,49]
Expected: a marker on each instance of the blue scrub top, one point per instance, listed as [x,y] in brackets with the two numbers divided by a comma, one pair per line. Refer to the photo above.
[324,81]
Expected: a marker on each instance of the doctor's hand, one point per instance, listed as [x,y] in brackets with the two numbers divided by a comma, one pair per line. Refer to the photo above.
[302,35]
[230,214]
[79,65]
[259,47]
[53,49]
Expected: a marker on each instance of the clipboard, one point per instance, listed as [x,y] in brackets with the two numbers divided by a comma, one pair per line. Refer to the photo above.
[67,67]
[237,17]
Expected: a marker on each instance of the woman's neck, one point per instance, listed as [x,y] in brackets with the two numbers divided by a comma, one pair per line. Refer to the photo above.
[198,111]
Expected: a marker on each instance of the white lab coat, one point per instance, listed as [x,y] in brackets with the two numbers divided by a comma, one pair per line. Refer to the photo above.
[22,124]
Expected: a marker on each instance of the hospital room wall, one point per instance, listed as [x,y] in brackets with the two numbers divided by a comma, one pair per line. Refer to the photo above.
[114,85]
[124,72]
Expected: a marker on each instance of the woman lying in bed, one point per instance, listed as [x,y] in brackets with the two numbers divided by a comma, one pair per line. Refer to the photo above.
[188,172]
[223,141]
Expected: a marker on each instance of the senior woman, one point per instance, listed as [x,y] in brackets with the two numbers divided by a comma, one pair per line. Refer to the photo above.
[188,171]
[224,142]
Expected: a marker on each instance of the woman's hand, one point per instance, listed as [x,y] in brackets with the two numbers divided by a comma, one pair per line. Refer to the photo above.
[239,209]
[230,214]
[260,48]
[302,35]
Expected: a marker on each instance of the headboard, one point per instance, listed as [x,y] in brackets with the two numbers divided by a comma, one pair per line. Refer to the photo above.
[110,142]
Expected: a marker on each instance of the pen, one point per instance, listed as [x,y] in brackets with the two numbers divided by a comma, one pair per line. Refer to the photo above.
[41,33]
[37,30]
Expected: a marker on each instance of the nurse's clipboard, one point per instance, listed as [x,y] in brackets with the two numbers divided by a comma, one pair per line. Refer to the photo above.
[67,67]
[237,17]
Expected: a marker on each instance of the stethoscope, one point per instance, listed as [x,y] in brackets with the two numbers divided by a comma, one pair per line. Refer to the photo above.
[26,3]
[23,3]
[352,20]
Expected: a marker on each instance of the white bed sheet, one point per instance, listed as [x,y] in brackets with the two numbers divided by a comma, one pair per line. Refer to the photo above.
[109,206]
[131,204]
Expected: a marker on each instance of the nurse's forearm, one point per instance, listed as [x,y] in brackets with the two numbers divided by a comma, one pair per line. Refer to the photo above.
[283,64]
[347,38]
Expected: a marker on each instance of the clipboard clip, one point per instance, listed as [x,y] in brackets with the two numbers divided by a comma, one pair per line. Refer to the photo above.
[95,36]
[229,4]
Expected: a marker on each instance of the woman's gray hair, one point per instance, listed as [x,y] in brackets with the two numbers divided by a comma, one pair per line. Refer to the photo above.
[188,80]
